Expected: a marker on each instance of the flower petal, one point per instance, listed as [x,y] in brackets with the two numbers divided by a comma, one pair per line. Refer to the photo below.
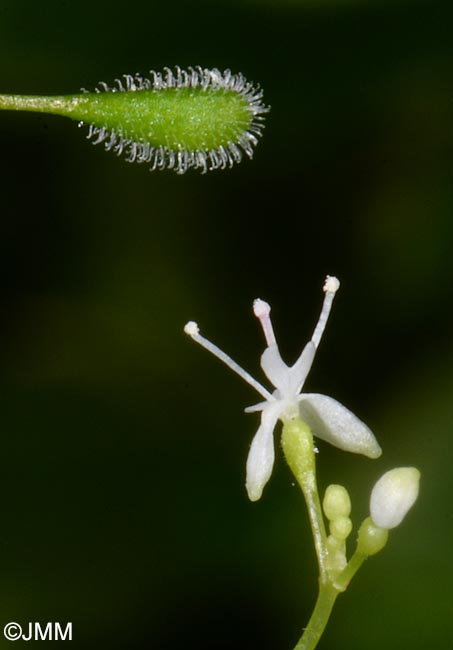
[276,369]
[299,371]
[261,455]
[334,423]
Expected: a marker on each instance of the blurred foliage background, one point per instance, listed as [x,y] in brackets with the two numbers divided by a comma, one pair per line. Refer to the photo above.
[123,445]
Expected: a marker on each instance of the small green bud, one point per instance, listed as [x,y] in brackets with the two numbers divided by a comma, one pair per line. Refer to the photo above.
[341,527]
[334,544]
[372,538]
[336,502]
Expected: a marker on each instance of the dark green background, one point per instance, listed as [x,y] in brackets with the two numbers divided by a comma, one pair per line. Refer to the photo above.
[123,446]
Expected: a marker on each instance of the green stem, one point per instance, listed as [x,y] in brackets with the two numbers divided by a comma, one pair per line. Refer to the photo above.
[298,447]
[319,618]
[344,578]
[326,599]
[38,104]
[310,491]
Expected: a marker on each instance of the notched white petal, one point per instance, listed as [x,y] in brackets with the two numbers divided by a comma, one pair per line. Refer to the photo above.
[334,423]
[261,456]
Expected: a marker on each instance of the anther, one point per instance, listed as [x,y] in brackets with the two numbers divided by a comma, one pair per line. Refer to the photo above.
[262,311]
[332,284]
[191,328]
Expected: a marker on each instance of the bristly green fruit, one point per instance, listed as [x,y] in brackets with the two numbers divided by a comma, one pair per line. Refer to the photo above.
[179,119]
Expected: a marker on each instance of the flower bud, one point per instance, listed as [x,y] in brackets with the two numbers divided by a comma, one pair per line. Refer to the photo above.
[336,502]
[393,496]
[341,527]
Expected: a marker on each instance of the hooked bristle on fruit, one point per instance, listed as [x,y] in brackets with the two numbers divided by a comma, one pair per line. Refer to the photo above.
[182,119]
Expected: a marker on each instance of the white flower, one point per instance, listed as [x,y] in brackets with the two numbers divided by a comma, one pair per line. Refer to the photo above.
[393,496]
[326,417]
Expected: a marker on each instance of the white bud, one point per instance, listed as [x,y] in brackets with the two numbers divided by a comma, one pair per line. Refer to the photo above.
[393,496]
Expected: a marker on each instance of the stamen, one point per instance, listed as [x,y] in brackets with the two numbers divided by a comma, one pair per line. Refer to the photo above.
[331,286]
[191,328]
[262,311]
